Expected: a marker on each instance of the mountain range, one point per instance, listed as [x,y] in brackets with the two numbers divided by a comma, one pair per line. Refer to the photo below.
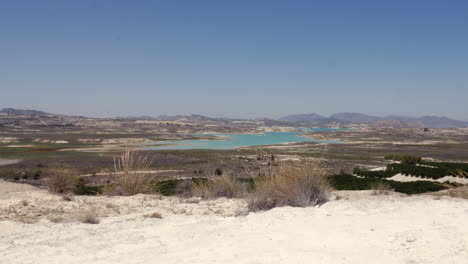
[350,117]
[303,119]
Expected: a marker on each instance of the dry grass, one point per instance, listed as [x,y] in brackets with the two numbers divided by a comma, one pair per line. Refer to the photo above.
[460,173]
[299,186]
[380,188]
[62,179]
[219,186]
[131,168]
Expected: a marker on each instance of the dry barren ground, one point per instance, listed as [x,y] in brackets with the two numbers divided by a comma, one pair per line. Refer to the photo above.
[355,227]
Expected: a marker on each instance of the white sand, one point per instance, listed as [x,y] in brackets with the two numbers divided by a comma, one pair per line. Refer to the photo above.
[357,228]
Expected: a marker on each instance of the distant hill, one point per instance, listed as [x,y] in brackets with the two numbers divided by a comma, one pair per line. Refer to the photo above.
[12,111]
[303,118]
[183,118]
[389,121]
[354,117]
[430,121]
[438,122]
[392,124]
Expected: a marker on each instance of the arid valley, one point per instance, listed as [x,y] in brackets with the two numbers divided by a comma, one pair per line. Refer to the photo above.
[199,205]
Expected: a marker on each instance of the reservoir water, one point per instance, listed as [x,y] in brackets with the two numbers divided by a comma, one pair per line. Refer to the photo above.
[232,141]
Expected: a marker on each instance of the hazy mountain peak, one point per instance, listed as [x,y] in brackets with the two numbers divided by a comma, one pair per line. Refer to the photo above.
[13,111]
[313,117]
[394,120]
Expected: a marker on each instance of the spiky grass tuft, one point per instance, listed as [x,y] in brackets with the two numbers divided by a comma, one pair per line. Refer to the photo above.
[132,169]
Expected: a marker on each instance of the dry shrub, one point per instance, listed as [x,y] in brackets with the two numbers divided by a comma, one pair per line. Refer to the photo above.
[154,215]
[219,186]
[298,186]
[62,179]
[56,218]
[112,190]
[132,169]
[28,219]
[90,216]
[460,192]
[67,198]
[379,188]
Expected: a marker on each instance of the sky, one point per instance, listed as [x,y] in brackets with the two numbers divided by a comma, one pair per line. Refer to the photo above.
[239,59]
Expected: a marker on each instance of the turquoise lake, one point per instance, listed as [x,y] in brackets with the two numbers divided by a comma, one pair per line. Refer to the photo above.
[233,141]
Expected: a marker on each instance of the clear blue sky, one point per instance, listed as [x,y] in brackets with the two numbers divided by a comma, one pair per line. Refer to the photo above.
[235,58]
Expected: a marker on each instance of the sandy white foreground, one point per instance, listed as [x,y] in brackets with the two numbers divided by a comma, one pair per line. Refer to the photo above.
[355,227]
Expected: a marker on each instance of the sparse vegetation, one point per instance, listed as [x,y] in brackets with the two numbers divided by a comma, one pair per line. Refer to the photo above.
[225,186]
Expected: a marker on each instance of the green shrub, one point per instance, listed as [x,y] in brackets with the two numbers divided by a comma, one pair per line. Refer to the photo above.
[176,186]
[82,189]
[167,187]
[416,187]
[349,182]
[432,170]
[404,159]
[376,174]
